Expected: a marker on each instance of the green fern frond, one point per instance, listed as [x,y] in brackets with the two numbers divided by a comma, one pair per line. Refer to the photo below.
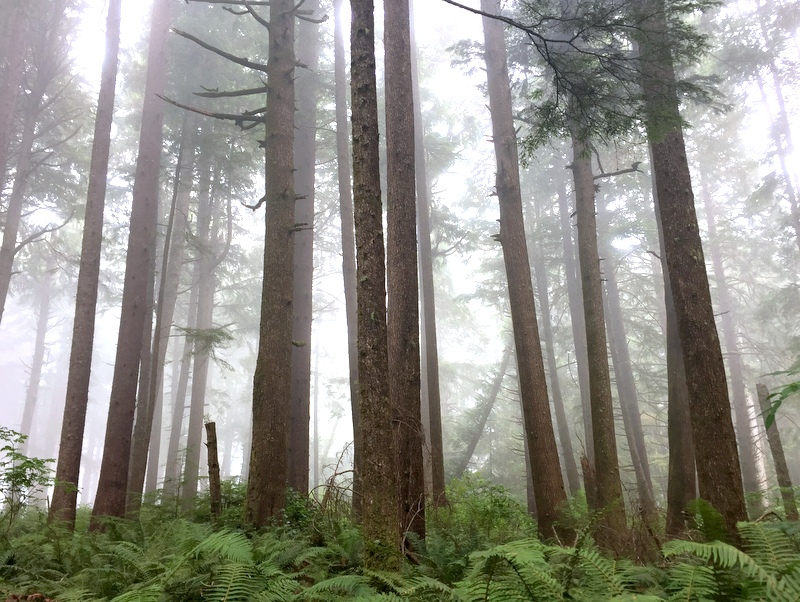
[771,548]
[600,573]
[149,593]
[347,585]
[692,583]
[226,545]
[234,582]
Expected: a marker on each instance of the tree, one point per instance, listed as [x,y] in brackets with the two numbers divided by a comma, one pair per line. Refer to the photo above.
[401,267]
[63,504]
[719,474]
[305,159]
[272,381]
[112,487]
[379,482]
[545,468]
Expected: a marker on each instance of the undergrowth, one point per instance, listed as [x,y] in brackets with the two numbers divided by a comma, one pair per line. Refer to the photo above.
[481,547]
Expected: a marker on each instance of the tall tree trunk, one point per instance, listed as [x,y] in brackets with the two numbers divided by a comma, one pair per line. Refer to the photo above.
[626,384]
[379,480]
[578,325]
[348,240]
[401,267]
[171,264]
[719,474]
[484,410]
[744,433]
[612,526]
[571,467]
[206,286]
[113,483]
[429,349]
[180,385]
[545,468]
[266,486]
[65,493]
[305,158]
[45,295]
[778,457]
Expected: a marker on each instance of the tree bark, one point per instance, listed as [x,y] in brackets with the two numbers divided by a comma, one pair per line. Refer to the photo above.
[429,349]
[214,484]
[578,325]
[401,267]
[348,240]
[305,158]
[379,481]
[778,457]
[266,486]
[612,528]
[545,468]
[719,474]
[113,483]
[63,504]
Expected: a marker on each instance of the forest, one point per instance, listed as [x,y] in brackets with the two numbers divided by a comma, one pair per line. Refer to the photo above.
[434,300]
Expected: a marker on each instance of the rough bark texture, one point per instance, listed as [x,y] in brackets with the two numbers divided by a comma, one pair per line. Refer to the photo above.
[348,240]
[429,351]
[778,457]
[214,485]
[272,382]
[379,491]
[719,475]
[65,493]
[578,325]
[744,432]
[484,410]
[570,466]
[305,158]
[113,482]
[401,268]
[611,530]
[544,467]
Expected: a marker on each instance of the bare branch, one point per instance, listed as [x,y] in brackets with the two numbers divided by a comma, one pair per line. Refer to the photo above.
[37,236]
[260,202]
[215,93]
[255,15]
[245,62]
[239,119]
[632,169]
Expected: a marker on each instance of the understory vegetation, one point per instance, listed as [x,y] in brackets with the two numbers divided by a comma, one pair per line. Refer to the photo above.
[482,546]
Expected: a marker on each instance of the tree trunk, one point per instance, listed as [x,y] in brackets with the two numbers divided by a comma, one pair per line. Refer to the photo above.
[113,483]
[401,267]
[266,486]
[173,464]
[542,286]
[429,349]
[578,325]
[485,409]
[12,68]
[206,286]
[778,457]
[214,485]
[626,384]
[545,468]
[718,468]
[171,264]
[305,158]
[65,493]
[45,295]
[744,434]
[379,481]
[348,240]
[611,533]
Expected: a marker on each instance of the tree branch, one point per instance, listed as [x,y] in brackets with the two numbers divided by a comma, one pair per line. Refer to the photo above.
[215,93]
[245,62]
[36,236]
[237,118]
